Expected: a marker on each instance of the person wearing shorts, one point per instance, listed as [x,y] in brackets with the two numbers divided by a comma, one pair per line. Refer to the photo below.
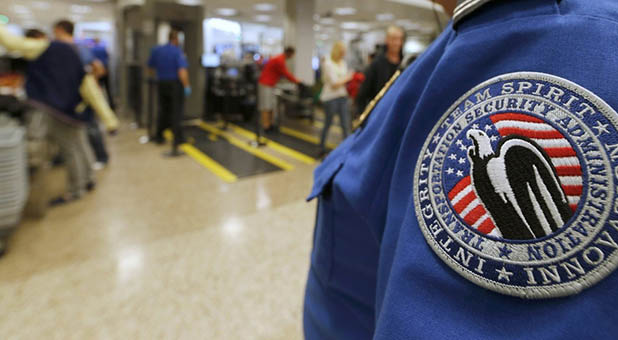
[273,71]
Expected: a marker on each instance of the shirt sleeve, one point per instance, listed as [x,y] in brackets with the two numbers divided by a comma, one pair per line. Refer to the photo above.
[91,93]
[152,58]
[29,48]
[284,70]
[181,60]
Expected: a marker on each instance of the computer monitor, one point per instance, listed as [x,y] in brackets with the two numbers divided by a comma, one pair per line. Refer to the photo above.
[211,60]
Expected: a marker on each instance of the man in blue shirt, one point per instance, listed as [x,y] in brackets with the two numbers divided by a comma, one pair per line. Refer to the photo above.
[479,198]
[170,66]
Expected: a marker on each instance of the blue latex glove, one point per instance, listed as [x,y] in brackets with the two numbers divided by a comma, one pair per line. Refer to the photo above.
[187,91]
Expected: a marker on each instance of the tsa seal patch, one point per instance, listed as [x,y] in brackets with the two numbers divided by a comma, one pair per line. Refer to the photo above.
[515,188]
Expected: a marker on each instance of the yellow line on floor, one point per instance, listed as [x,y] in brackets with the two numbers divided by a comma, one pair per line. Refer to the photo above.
[207,162]
[244,145]
[274,145]
[304,136]
[320,125]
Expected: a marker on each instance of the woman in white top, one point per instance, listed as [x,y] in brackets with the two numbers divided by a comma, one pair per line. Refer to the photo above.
[334,94]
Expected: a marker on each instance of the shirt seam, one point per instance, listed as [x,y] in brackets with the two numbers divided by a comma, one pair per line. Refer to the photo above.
[484,26]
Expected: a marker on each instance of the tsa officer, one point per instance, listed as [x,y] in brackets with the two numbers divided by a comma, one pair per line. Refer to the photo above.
[478,199]
[170,65]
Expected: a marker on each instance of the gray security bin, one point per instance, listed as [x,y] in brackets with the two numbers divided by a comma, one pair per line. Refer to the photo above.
[13,174]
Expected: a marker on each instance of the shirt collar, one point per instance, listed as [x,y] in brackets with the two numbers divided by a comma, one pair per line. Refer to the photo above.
[465,7]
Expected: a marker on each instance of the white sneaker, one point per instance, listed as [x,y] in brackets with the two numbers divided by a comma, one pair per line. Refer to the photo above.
[98,166]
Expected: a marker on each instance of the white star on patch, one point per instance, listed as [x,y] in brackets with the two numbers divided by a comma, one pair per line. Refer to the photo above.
[459,173]
[450,171]
[504,274]
[462,161]
[436,138]
[459,142]
[427,154]
[453,157]
[493,138]
[601,128]
[463,147]
[475,126]
[488,127]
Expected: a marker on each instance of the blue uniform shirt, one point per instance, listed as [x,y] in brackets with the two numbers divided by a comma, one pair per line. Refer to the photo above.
[86,56]
[479,199]
[100,53]
[167,60]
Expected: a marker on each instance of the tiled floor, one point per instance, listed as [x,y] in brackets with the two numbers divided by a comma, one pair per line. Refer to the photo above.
[163,249]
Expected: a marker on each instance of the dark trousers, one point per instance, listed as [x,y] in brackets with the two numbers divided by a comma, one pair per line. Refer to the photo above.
[171,107]
[95,136]
[104,82]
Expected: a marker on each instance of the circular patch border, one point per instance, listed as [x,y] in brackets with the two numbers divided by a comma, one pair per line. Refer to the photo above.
[610,262]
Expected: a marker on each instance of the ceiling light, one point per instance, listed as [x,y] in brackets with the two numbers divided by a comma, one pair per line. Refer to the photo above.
[428,4]
[226,12]
[20,9]
[40,5]
[29,24]
[351,25]
[407,24]
[264,7]
[80,9]
[262,18]
[190,2]
[345,11]
[316,27]
[385,17]
[327,21]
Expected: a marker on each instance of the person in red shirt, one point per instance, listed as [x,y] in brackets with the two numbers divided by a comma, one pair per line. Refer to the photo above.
[274,69]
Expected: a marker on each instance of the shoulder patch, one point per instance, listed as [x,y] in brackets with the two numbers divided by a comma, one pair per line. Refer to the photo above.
[515,188]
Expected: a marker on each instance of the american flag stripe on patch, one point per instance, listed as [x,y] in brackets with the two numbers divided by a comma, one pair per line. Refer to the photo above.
[469,207]
[562,155]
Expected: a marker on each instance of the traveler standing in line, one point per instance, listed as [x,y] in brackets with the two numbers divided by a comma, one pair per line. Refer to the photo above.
[169,64]
[274,69]
[381,68]
[58,85]
[334,94]
[64,31]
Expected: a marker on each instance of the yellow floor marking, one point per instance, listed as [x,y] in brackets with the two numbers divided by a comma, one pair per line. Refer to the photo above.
[245,146]
[274,145]
[320,125]
[207,162]
[304,136]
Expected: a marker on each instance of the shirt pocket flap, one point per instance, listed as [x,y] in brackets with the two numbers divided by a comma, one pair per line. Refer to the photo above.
[325,173]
